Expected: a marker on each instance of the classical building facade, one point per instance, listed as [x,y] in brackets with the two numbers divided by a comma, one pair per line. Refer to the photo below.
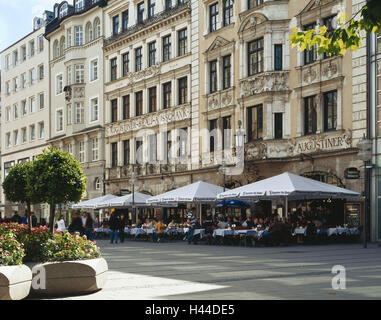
[25,100]
[75,38]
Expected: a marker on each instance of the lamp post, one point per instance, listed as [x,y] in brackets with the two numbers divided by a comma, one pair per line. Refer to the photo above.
[365,154]
[132,180]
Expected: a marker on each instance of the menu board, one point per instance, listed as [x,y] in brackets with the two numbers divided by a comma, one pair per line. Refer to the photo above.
[352,214]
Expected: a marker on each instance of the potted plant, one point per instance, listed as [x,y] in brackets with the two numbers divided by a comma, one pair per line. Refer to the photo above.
[15,278]
[72,265]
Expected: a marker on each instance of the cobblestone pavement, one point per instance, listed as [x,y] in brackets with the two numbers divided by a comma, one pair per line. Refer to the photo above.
[175,270]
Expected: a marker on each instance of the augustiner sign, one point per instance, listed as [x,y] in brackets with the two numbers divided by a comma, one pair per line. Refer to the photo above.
[149,121]
[324,142]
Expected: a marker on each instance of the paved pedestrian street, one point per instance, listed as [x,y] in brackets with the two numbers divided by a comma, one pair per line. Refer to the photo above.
[146,270]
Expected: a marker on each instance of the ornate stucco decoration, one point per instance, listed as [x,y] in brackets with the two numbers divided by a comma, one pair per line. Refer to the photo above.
[265,82]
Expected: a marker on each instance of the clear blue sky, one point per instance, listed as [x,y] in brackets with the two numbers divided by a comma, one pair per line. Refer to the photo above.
[16,18]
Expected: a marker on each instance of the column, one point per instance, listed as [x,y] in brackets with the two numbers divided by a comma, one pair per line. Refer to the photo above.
[87,148]
[120,153]
[101,145]
[267,52]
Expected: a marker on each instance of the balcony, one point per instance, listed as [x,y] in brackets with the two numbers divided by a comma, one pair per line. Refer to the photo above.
[271,81]
[149,22]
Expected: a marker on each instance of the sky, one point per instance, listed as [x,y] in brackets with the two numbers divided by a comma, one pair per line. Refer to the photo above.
[16,18]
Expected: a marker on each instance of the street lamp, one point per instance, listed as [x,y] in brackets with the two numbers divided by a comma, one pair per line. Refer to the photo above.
[132,180]
[365,154]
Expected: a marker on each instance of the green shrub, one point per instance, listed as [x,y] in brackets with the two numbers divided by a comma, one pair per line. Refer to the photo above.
[65,246]
[11,251]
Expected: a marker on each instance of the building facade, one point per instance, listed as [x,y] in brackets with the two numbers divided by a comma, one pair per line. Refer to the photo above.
[75,38]
[25,101]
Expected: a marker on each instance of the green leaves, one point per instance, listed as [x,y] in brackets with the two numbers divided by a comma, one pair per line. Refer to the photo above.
[347,35]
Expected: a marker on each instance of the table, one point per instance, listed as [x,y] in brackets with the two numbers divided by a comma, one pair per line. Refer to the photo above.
[223,232]
[201,232]
[106,230]
[247,233]
[137,231]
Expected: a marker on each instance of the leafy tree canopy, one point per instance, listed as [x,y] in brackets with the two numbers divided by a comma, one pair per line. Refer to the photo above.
[347,35]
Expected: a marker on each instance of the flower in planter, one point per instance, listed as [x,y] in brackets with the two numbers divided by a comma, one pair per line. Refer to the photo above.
[11,251]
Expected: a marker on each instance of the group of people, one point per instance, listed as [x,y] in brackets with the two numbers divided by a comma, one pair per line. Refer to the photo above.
[16,218]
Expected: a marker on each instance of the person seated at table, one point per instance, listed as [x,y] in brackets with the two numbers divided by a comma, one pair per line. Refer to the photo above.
[194,225]
[311,230]
[222,224]
[139,224]
[147,224]
[172,224]
[249,224]
[160,228]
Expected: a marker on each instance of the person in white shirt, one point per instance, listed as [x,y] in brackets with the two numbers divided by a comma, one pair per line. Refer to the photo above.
[61,224]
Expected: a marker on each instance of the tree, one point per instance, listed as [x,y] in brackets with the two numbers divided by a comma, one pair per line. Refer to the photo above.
[58,178]
[18,186]
[347,35]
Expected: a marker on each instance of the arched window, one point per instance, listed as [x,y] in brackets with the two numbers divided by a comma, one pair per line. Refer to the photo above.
[97,28]
[56,49]
[79,4]
[97,184]
[63,10]
[62,45]
[89,32]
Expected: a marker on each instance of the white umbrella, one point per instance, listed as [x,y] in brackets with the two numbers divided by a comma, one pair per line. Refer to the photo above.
[290,186]
[126,201]
[93,203]
[196,192]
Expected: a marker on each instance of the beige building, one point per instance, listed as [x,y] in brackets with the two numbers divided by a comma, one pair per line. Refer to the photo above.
[25,101]
[76,86]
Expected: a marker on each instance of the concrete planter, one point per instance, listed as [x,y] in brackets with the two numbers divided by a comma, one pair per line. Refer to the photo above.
[15,282]
[72,277]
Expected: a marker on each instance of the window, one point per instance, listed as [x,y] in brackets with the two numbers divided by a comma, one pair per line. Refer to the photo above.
[15,57]
[7,62]
[183,90]
[212,135]
[126,63]
[213,17]
[97,28]
[41,103]
[329,23]
[94,110]
[330,110]
[69,114]
[228,12]
[126,107]
[227,133]
[41,72]
[23,53]
[15,137]
[182,142]
[166,48]
[8,114]
[97,184]
[378,44]
[152,99]
[32,132]
[138,59]
[114,154]
[32,77]
[213,76]
[8,88]
[79,5]
[79,75]
[226,74]
[89,32]
[140,11]
[31,48]
[255,122]
[82,151]
[32,106]
[15,112]
[94,70]
[113,67]
[23,108]
[68,75]
[41,130]
[40,43]
[278,57]
[23,80]
[69,42]
[168,4]
[115,25]
[59,84]
[378,96]
[78,35]
[63,10]
[114,110]
[151,8]
[168,145]
[95,149]
[255,56]
[23,135]
[79,113]
[7,167]
[278,125]
[139,103]
[310,55]
[253,3]
[69,148]
[8,139]
[15,84]
[182,38]
[152,150]
[125,20]
[151,53]
[126,152]
[167,92]
[310,115]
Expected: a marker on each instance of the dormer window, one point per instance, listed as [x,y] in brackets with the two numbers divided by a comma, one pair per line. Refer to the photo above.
[63,10]
[79,5]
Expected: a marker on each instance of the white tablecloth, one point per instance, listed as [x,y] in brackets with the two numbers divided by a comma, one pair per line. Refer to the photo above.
[107,230]
[201,232]
[247,233]
[302,231]
[223,232]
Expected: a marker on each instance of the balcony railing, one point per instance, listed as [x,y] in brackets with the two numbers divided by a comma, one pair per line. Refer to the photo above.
[149,21]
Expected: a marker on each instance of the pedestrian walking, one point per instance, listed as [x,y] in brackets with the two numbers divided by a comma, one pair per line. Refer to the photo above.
[123,223]
[114,224]
[76,224]
[89,226]
[61,224]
